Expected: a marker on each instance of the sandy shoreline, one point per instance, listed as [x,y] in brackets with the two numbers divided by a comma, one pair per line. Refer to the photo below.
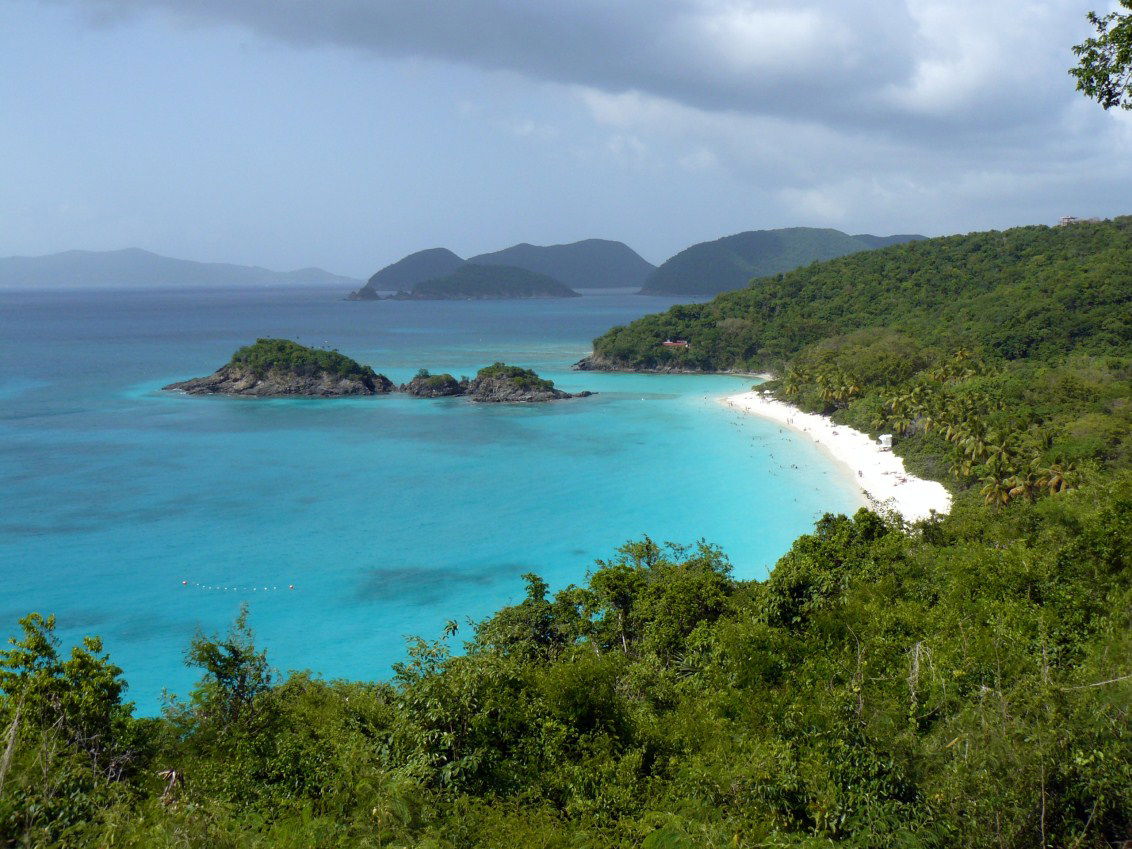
[880,474]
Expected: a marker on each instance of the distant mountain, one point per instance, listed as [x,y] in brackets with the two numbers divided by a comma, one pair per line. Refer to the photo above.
[404,274]
[588,264]
[474,282]
[133,268]
[731,262]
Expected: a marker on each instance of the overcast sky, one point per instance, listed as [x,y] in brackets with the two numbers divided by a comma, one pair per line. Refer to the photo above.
[348,133]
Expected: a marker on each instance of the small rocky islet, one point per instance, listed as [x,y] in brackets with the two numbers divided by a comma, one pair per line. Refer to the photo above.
[280,368]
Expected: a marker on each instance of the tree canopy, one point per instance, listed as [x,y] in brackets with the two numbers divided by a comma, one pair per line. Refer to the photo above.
[1104,69]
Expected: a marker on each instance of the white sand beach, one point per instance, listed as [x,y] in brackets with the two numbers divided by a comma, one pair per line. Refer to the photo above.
[879,473]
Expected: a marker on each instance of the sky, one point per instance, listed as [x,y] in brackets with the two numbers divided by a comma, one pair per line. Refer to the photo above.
[348,133]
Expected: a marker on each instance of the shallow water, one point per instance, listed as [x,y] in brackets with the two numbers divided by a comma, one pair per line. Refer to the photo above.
[142,516]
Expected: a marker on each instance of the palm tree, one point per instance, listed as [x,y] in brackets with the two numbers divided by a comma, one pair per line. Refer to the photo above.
[1026,483]
[995,491]
[1058,477]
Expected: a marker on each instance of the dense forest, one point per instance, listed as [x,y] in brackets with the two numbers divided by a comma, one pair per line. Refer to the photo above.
[962,681]
[1017,293]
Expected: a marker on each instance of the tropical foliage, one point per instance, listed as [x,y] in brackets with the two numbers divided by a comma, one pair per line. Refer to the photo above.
[524,378]
[962,684]
[1022,293]
[1104,69]
[1011,429]
[284,355]
[964,681]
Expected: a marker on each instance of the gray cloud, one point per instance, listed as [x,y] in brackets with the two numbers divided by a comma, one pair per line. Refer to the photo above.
[656,121]
[922,62]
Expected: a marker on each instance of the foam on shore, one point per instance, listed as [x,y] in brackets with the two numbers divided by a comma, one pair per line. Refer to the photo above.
[879,473]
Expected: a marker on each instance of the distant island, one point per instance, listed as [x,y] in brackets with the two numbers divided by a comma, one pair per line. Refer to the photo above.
[495,384]
[487,282]
[428,385]
[501,383]
[133,268]
[590,263]
[709,268]
[280,368]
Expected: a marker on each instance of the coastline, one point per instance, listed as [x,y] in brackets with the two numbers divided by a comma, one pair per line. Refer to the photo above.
[880,474]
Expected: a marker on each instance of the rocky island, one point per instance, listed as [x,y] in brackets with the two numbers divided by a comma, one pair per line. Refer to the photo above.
[428,385]
[501,383]
[282,368]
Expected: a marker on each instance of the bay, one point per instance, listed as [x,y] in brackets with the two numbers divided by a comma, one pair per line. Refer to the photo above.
[143,516]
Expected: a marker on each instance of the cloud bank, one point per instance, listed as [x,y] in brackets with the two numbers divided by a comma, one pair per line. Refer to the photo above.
[894,62]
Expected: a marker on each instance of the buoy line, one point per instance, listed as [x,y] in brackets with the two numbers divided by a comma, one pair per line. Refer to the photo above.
[235,588]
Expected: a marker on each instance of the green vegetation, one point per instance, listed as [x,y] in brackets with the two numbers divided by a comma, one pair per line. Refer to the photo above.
[1104,71]
[436,381]
[491,281]
[1011,429]
[1026,292]
[284,355]
[729,263]
[966,684]
[999,360]
[523,378]
[964,681]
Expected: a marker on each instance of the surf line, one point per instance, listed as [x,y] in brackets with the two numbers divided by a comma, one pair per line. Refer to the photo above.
[196,585]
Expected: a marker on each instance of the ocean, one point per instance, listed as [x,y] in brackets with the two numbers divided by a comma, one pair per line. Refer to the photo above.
[348,525]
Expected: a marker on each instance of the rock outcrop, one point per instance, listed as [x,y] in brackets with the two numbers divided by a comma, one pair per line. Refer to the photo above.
[426,385]
[282,368]
[503,384]
[233,380]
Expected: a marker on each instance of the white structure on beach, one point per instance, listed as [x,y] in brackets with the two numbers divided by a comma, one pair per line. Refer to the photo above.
[885,441]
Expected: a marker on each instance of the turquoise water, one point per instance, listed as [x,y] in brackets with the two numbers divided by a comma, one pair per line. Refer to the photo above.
[142,516]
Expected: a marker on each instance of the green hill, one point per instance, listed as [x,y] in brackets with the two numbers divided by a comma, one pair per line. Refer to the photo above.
[588,264]
[1016,293]
[729,263]
[488,282]
[404,274]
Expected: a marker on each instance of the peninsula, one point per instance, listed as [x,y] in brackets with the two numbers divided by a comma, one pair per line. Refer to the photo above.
[282,368]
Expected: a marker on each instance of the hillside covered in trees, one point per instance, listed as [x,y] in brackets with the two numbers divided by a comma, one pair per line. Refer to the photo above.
[1016,293]
[472,282]
[708,268]
[963,681]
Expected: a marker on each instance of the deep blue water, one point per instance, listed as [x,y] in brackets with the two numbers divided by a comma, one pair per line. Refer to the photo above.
[388,515]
